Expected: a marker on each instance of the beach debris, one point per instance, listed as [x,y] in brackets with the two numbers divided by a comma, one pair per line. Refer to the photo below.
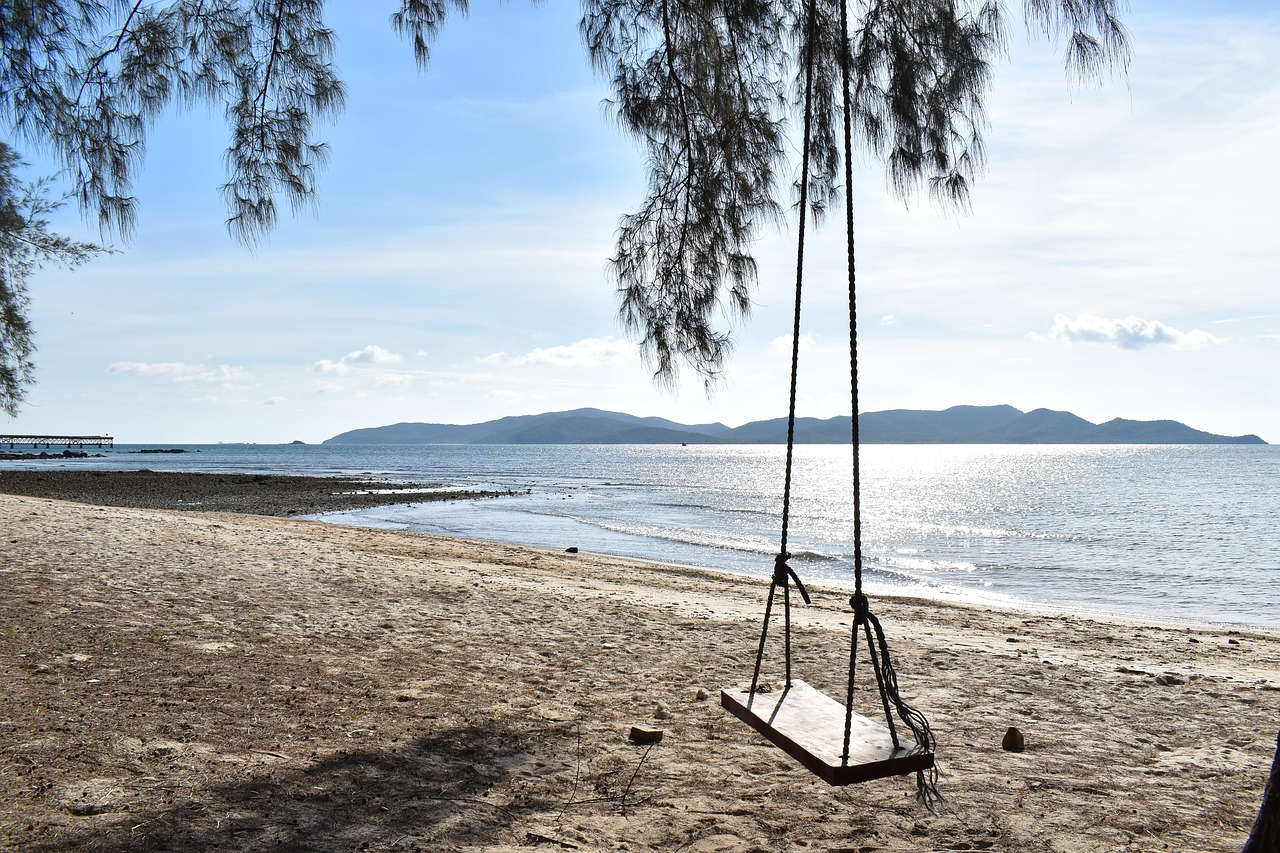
[644,734]
[572,549]
[534,839]
[1013,740]
[87,809]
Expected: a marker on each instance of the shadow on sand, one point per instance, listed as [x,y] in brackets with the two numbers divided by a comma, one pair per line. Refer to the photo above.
[429,795]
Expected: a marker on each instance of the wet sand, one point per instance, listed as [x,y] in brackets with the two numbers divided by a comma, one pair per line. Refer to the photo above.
[258,494]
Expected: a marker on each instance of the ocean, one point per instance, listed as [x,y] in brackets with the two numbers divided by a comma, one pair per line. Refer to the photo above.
[1168,532]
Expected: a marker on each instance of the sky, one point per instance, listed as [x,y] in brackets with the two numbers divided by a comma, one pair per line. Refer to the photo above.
[1120,259]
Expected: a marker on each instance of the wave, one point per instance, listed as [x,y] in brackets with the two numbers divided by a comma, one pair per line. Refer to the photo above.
[662,533]
[806,555]
[1123,536]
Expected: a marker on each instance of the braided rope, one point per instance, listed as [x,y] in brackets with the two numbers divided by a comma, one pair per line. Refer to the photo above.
[782,573]
[886,675]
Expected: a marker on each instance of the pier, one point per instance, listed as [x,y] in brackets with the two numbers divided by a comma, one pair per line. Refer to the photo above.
[51,441]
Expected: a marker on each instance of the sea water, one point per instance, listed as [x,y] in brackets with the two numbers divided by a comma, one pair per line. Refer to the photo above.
[1172,532]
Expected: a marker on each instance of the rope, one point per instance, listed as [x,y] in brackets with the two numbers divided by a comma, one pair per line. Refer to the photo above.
[882,664]
[926,781]
[782,572]
[852,267]
[800,246]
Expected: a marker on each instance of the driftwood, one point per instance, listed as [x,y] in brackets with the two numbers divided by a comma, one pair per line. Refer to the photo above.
[1265,837]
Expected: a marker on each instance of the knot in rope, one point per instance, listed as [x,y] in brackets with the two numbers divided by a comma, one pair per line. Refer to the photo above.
[861,607]
[782,571]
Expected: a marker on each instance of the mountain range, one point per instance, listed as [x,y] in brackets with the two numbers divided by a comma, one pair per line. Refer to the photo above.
[956,425]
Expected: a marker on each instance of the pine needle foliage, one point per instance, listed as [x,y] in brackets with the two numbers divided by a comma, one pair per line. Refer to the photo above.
[85,79]
[710,88]
[26,244]
[713,90]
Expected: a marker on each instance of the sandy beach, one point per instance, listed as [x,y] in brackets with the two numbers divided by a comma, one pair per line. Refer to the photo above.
[184,680]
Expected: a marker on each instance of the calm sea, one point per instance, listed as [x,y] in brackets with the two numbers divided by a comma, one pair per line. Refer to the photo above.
[1185,533]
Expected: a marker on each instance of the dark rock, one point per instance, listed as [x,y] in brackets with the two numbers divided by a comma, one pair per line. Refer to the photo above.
[1013,740]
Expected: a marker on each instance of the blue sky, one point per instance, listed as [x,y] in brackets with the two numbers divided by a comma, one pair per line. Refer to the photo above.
[1120,259]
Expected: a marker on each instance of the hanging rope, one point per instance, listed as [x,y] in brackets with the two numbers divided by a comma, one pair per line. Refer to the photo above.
[886,675]
[782,571]
[783,575]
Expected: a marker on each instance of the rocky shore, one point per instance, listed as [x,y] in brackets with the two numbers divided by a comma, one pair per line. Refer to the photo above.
[255,494]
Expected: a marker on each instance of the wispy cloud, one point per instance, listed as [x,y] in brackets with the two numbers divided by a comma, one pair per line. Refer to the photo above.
[370,355]
[180,372]
[1127,333]
[589,352]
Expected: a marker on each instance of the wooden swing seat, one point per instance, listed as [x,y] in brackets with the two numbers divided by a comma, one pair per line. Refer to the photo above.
[809,726]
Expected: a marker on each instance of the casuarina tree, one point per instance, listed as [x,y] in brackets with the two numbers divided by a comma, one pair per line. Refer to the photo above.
[26,244]
[1265,837]
[707,86]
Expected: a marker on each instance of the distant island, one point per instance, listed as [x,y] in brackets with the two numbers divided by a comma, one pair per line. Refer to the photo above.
[956,425]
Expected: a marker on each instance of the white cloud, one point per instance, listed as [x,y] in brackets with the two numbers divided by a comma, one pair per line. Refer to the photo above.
[1127,333]
[782,343]
[371,354]
[589,352]
[180,372]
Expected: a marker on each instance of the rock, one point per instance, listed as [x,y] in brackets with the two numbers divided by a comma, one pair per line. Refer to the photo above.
[572,549]
[642,734]
[700,696]
[1170,680]
[661,712]
[1013,740]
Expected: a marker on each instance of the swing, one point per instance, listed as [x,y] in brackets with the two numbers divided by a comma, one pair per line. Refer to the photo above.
[826,737]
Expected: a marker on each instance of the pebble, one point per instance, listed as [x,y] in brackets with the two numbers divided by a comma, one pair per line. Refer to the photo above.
[1013,740]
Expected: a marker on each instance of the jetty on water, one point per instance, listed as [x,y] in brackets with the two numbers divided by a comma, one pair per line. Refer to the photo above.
[50,441]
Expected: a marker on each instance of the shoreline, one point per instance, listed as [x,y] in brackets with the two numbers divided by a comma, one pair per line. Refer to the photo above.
[309,496]
[255,494]
[196,681]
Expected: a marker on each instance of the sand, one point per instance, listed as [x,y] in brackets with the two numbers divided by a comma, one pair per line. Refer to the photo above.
[195,681]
